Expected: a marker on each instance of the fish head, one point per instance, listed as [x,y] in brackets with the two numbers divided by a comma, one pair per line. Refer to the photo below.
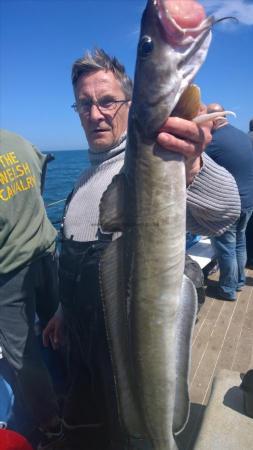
[168,57]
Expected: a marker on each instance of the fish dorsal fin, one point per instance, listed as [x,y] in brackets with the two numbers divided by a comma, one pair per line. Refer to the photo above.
[115,268]
[185,323]
[112,205]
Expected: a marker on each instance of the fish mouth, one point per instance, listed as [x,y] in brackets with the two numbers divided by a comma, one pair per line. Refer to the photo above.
[171,50]
[186,41]
[172,32]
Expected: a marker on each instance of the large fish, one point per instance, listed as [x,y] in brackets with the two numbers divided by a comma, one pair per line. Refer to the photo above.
[149,305]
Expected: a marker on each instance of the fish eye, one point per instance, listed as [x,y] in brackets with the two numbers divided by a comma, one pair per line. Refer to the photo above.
[146,46]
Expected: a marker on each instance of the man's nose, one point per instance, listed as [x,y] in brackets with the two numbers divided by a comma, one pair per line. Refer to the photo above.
[95,112]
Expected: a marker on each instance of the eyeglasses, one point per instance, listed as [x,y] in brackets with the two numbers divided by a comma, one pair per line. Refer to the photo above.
[104,105]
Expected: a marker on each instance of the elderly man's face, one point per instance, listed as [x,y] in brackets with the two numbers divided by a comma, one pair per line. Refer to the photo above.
[103,128]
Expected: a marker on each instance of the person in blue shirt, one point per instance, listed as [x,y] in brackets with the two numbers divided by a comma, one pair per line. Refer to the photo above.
[250,133]
[232,149]
[249,229]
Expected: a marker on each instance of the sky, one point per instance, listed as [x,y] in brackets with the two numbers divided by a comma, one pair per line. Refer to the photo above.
[40,40]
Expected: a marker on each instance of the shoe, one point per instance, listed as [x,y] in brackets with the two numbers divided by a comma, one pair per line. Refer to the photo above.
[239,288]
[51,438]
[247,387]
[223,296]
[249,264]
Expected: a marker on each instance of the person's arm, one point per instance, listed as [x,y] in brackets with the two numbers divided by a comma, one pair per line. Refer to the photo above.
[213,201]
[189,139]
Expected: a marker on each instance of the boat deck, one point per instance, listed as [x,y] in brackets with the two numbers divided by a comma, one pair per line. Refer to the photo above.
[223,339]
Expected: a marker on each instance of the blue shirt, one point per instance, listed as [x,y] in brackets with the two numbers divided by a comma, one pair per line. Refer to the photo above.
[232,149]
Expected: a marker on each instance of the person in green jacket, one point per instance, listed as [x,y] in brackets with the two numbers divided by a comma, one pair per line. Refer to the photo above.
[28,277]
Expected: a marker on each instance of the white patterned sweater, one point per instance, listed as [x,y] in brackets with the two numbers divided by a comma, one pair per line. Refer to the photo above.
[213,202]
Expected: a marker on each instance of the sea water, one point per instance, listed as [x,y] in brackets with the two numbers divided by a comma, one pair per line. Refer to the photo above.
[61,175]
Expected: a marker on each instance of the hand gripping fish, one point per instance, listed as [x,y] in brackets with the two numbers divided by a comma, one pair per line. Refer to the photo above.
[149,305]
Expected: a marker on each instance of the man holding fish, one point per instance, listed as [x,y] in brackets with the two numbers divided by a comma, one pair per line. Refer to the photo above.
[128,307]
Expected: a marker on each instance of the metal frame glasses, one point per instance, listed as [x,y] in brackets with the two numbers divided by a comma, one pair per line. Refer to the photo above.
[84,107]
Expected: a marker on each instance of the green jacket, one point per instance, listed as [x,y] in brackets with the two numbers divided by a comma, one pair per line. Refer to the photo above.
[25,230]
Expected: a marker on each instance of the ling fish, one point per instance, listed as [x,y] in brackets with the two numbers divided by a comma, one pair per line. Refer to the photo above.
[149,304]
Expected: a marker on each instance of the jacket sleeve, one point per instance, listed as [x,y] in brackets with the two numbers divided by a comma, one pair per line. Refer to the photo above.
[213,201]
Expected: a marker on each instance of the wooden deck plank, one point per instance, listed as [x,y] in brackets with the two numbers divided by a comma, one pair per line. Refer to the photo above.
[233,333]
[205,372]
[243,355]
[224,342]
[250,280]
[201,340]
[223,339]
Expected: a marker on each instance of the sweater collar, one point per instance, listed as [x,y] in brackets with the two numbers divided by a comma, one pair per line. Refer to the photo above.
[97,158]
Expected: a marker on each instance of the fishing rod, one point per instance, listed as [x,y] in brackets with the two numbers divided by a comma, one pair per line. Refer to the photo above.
[55,203]
[56,222]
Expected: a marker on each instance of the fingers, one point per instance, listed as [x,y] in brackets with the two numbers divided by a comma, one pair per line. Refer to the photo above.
[184,136]
[46,336]
[183,146]
[54,340]
[53,333]
[184,129]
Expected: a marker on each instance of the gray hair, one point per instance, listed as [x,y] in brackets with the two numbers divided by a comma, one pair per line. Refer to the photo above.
[219,121]
[97,60]
[214,107]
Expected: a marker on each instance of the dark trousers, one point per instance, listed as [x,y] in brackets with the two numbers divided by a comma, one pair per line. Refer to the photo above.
[91,400]
[23,293]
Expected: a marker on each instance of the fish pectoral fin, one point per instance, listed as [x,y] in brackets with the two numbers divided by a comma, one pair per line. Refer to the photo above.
[189,103]
[185,323]
[112,205]
[115,268]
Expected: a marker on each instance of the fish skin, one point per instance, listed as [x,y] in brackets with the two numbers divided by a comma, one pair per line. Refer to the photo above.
[142,271]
